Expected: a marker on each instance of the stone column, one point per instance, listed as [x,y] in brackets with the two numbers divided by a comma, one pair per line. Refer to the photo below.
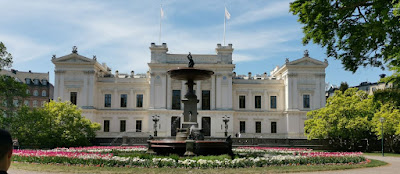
[84,95]
[131,99]
[61,92]
[168,93]
[230,99]
[212,92]
[219,92]
[152,92]
[56,85]
[114,99]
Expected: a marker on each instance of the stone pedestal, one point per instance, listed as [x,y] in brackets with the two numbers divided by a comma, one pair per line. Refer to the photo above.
[189,148]
[124,141]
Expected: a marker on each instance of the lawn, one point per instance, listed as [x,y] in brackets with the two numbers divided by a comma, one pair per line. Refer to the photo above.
[109,170]
[380,154]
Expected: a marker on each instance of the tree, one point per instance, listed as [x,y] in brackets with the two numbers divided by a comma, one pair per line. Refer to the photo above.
[5,57]
[391,125]
[387,96]
[10,90]
[64,126]
[343,86]
[344,120]
[357,32]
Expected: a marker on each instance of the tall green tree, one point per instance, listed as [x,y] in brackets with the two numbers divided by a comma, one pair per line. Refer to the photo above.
[343,86]
[391,126]
[57,124]
[5,57]
[357,32]
[10,90]
[344,120]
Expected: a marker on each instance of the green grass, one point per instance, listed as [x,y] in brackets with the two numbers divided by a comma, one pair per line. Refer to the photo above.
[109,170]
[380,154]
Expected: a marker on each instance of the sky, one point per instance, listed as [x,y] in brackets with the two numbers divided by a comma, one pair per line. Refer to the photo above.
[119,33]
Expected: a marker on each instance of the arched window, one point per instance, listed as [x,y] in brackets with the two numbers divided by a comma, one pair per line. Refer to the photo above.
[44,93]
[35,93]
[43,102]
[28,91]
[26,102]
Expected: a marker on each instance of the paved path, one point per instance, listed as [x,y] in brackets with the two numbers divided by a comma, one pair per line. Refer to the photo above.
[392,168]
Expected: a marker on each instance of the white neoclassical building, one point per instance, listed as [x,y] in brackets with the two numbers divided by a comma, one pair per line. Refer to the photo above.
[270,105]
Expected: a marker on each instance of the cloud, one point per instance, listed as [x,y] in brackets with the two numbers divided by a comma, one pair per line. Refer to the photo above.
[243,58]
[120,34]
[268,11]
[24,49]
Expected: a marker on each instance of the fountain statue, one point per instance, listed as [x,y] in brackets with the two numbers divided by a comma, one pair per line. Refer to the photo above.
[190,139]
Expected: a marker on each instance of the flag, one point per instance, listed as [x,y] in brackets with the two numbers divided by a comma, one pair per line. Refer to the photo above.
[227,14]
[162,12]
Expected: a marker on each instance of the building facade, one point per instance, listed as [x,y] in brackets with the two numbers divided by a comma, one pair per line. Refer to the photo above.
[269,106]
[39,89]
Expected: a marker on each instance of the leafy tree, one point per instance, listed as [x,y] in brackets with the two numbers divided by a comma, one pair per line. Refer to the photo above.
[5,57]
[10,90]
[357,32]
[391,125]
[57,124]
[344,120]
[343,86]
[387,96]
[31,128]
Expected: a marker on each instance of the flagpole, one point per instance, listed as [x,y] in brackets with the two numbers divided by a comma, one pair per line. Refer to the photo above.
[224,25]
[159,37]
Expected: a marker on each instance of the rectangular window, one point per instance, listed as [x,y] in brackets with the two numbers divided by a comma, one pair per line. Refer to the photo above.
[106,126]
[273,127]
[73,96]
[242,101]
[139,100]
[273,102]
[242,126]
[176,99]
[107,100]
[258,126]
[138,125]
[205,100]
[124,99]
[122,125]
[306,101]
[257,102]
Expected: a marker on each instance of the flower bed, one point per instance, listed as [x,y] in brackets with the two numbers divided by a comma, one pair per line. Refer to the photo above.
[261,151]
[98,156]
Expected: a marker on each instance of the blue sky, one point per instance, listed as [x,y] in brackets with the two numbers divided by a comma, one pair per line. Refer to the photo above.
[119,33]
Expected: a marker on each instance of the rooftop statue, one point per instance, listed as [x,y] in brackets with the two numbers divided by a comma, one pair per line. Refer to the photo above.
[191,63]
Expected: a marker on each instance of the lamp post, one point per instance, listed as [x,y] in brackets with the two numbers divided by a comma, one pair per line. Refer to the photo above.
[155,119]
[382,120]
[226,120]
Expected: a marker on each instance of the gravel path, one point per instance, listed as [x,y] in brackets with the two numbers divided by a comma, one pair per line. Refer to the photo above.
[393,167]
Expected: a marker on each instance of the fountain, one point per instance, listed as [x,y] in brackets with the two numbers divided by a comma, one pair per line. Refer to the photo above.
[189,139]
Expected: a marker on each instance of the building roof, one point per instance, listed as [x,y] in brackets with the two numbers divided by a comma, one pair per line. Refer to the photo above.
[22,75]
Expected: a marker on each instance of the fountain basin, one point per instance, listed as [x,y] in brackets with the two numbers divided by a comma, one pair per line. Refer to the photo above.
[201,147]
[190,74]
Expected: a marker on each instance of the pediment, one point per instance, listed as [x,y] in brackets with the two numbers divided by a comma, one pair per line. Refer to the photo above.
[72,58]
[307,61]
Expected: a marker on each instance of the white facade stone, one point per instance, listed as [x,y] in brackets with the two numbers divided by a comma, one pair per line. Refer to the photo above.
[288,83]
